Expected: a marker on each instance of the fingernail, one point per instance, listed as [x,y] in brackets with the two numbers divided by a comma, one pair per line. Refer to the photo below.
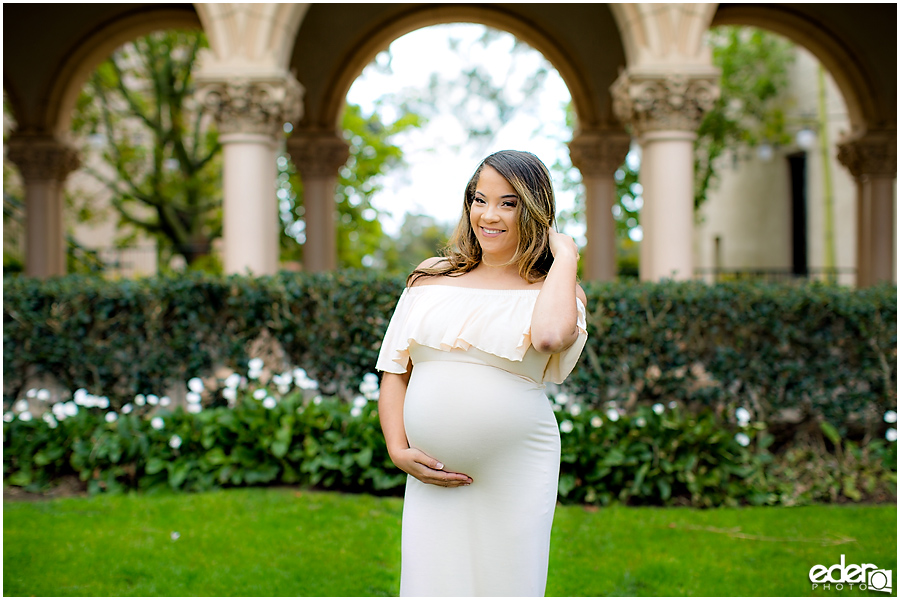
[440,466]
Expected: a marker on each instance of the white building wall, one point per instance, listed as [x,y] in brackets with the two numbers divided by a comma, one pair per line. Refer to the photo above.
[750,207]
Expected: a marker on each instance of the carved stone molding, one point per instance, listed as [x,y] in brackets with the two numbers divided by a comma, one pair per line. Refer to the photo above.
[249,105]
[666,101]
[317,153]
[599,153]
[874,153]
[42,158]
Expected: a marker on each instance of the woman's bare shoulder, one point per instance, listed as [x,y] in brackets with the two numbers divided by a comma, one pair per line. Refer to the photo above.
[579,293]
[430,263]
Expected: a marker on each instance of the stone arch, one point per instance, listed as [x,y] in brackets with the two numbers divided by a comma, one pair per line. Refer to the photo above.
[851,75]
[74,72]
[426,16]
[655,34]
[262,33]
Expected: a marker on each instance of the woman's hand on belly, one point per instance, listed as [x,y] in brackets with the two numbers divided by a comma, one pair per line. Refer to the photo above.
[427,469]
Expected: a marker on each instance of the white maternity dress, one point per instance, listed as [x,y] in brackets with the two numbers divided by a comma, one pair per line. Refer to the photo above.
[476,402]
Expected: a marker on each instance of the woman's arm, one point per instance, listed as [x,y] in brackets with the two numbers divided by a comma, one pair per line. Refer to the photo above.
[410,460]
[554,322]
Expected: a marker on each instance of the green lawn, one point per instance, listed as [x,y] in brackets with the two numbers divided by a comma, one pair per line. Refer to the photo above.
[283,542]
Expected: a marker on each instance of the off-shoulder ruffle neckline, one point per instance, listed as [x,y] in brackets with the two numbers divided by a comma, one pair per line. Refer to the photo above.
[500,292]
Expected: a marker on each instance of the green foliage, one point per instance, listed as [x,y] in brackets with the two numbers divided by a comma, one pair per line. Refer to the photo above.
[137,113]
[361,242]
[823,350]
[750,108]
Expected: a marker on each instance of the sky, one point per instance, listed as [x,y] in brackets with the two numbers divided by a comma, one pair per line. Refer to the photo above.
[440,158]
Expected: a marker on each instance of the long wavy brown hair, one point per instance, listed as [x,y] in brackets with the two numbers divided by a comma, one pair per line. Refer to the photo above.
[536,213]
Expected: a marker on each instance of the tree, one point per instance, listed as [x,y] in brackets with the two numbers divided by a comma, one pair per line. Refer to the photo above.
[159,157]
[750,108]
[360,237]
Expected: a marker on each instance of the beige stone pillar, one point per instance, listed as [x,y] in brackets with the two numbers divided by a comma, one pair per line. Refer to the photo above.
[872,160]
[250,113]
[44,164]
[318,155]
[597,154]
[663,108]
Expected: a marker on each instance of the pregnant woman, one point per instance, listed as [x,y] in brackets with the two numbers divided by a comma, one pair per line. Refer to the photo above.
[473,338]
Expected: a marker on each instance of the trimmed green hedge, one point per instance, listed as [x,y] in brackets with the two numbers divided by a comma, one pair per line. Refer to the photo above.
[828,351]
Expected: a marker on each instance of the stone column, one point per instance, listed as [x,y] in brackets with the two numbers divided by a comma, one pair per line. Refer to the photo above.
[318,154]
[597,154]
[250,113]
[664,109]
[44,163]
[872,160]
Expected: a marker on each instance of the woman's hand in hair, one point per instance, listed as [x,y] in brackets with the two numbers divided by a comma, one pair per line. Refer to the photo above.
[562,245]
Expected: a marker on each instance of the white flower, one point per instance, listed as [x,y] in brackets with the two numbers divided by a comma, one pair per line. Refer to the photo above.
[371,377]
[562,398]
[157,423]
[32,393]
[175,442]
[574,410]
[269,402]
[9,416]
[299,374]
[112,416]
[658,408]
[81,395]
[260,394]
[891,435]
[612,414]
[284,388]
[21,406]
[360,401]
[152,399]
[673,404]
[43,395]
[640,421]
[317,400]
[232,381]
[70,409]
[102,402]
[742,438]
[557,407]
[175,535]
[195,384]
[355,411]
[890,416]
[50,420]
[255,364]
[229,394]
[194,408]
[25,416]
[566,426]
[140,400]
[165,401]
[193,398]
[596,421]
[127,409]
[742,415]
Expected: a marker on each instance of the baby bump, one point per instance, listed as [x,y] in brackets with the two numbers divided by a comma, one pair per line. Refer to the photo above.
[477,418]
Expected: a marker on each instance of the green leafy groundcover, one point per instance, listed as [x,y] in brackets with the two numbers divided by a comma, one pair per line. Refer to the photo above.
[655,456]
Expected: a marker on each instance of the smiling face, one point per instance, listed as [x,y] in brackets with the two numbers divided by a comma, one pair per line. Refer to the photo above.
[494,216]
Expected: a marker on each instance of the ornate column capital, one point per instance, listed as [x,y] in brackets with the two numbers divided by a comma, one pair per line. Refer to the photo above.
[874,153]
[664,100]
[317,153]
[251,104]
[42,157]
[599,152]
